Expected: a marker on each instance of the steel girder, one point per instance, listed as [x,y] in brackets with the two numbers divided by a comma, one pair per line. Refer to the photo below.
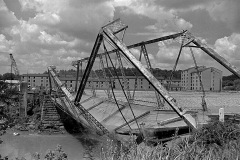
[151,79]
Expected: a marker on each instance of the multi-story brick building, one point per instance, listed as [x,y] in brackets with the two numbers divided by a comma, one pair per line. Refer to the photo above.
[37,80]
[211,79]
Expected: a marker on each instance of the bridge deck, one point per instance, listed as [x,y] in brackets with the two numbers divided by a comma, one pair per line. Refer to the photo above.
[148,117]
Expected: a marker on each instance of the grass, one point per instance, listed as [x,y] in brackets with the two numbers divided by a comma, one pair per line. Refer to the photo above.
[214,141]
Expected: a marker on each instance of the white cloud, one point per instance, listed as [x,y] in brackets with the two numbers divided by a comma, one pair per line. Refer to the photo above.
[166,20]
[169,50]
[60,32]
[48,39]
[183,24]
[229,48]
[53,6]
[47,18]
[25,31]
[7,17]
[65,30]
[5,45]
[226,11]
[4,58]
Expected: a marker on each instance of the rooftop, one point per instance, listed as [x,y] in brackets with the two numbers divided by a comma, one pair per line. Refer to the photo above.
[35,75]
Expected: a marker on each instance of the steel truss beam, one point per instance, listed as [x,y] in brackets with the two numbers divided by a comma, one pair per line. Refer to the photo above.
[78,65]
[144,51]
[148,75]
[89,67]
[107,83]
[198,44]
[173,36]
[75,109]
[59,83]
[126,84]
[217,57]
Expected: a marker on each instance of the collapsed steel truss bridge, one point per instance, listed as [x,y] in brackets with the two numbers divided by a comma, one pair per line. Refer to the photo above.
[112,116]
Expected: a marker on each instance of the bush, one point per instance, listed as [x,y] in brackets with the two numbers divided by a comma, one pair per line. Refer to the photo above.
[216,140]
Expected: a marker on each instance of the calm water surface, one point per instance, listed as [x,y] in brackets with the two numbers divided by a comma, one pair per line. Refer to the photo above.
[25,145]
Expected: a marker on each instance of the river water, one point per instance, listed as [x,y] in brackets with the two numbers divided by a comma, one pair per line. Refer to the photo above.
[26,144]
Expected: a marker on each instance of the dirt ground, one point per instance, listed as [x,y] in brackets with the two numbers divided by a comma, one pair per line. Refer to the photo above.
[230,101]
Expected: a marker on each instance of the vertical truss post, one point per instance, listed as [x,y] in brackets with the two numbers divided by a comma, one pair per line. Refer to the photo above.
[160,104]
[50,83]
[92,85]
[175,66]
[136,79]
[60,86]
[204,104]
[78,65]
[151,79]
[105,76]
[89,67]
[126,85]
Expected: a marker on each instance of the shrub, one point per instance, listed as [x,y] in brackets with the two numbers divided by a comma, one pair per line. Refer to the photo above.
[215,140]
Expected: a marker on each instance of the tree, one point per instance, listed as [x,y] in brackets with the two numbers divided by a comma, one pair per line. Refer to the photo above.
[7,94]
[227,83]
[8,76]
[3,86]
[237,84]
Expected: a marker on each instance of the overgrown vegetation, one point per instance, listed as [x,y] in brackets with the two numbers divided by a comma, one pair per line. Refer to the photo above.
[8,94]
[216,140]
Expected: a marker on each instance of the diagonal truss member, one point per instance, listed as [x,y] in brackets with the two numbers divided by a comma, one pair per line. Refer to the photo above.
[149,76]
[160,103]
[125,81]
[109,34]
[75,110]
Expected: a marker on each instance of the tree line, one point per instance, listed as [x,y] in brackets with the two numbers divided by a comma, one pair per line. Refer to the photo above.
[9,76]
[231,82]
[111,71]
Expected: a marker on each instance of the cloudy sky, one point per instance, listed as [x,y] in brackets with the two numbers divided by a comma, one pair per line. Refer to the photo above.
[40,33]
